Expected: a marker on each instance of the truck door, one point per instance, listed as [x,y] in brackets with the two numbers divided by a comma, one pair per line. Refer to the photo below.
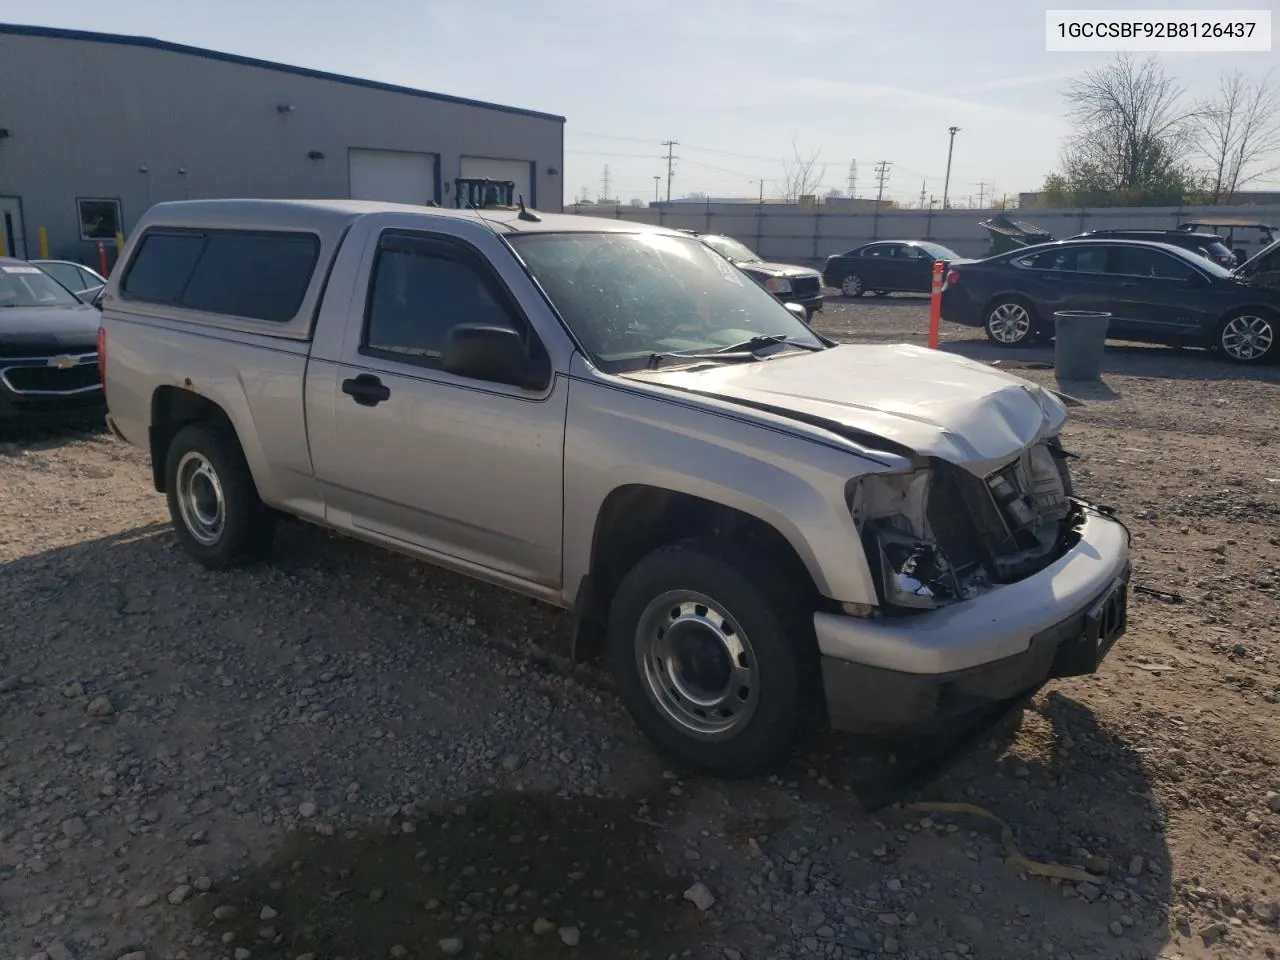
[468,469]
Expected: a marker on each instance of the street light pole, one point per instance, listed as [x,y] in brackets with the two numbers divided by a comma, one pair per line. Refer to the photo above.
[946,184]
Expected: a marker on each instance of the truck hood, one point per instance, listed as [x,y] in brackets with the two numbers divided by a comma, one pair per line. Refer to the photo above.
[765,269]
[59,329]
[899,398]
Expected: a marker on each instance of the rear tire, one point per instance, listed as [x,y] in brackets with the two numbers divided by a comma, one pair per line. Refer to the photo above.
[213,501]
[1249,336]
[1011,322]
[712,646]
[852,286]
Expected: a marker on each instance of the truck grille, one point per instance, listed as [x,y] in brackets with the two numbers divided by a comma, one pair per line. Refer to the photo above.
[806,286]
[51,376]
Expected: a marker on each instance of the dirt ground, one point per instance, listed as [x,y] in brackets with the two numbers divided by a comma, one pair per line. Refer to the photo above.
[344,753]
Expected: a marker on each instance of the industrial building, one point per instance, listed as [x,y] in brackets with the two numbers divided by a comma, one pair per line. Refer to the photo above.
[95,128]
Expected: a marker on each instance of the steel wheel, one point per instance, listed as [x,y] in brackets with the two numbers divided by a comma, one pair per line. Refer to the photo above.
[698,666]
[851,286]
[1009,323]
[1247,338]
[200,499]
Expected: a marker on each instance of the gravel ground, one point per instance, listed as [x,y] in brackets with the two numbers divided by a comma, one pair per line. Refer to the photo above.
[344,753]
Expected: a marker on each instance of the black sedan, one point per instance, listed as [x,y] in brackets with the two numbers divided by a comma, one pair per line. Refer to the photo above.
[886,266]
[1155,293]
[48,350]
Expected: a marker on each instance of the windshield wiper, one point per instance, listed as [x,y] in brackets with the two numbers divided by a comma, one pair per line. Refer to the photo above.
[765,340]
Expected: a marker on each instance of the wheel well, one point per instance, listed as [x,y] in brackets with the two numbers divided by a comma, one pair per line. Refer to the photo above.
[172,408]
[637,519]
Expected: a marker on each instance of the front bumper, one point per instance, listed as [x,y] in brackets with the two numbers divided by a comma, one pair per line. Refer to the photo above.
[882,674]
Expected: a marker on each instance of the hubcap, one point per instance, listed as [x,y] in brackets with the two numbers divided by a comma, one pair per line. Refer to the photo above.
[697,664]
[851,286]
[1009,323]
[1247,337]
[200,499]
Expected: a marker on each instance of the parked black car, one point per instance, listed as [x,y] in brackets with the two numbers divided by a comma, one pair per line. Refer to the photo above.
[1208,245]
[886,266]
[1155,293]
[786,281]
[48,350]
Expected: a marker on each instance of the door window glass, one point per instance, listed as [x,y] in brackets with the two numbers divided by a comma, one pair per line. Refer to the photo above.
[419,295]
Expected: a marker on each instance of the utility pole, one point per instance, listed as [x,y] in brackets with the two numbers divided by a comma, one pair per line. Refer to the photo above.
[982,194]
[670,145]
[882,175]
[853,179]
[604,184]
[923,192]
[946,185]
[656,180]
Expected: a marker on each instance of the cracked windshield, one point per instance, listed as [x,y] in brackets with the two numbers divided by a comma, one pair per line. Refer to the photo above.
[628,297]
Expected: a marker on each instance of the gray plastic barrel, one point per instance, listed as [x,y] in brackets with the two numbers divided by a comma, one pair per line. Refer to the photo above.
[1080,336]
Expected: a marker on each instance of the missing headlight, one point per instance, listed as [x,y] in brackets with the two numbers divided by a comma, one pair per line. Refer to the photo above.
[914,573]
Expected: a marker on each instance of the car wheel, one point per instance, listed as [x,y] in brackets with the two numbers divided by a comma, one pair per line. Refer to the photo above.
[714,654]
[1249,336]
[1010,323]
[851,286]
[213,501]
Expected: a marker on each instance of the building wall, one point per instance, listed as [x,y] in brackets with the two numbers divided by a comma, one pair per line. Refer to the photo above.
[791,235]
[101,119]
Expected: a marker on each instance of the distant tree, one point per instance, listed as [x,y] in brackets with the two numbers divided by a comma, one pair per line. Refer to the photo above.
[636,202]
[801,175]
[835,193]
[1237,132]
[695,195]
[1131,143]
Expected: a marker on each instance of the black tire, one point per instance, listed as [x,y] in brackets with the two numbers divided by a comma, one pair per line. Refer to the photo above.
[1249,336]
[851,285]
[1011,321]
[766,611]
[246,526]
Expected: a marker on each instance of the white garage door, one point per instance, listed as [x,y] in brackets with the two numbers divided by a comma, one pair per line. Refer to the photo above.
[517,171]
[392,175]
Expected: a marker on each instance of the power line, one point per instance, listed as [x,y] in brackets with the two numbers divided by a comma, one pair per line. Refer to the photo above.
[982,193]
[882,177]
[853,178]
[604,183]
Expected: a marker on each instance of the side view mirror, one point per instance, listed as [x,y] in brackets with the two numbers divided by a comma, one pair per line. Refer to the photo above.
[799,311]
[494,354]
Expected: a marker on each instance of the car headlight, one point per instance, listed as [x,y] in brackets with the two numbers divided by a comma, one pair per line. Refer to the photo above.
[889,511]
[778,285]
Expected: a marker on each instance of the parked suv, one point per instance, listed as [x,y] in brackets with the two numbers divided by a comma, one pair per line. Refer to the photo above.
[786,281]
[1208,245]
[749,520]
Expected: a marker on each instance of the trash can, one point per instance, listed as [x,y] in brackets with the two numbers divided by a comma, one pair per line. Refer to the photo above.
[1080,336]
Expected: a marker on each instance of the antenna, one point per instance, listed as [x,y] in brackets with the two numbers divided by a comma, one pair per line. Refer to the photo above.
[526,215]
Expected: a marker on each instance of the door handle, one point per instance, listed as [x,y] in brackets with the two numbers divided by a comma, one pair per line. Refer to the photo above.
[366,390]
[1128,283]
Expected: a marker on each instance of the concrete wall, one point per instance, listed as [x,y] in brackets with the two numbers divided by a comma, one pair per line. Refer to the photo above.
[791,235]
[85,117]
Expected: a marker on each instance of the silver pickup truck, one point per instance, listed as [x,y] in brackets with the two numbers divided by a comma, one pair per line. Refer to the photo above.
[751,522]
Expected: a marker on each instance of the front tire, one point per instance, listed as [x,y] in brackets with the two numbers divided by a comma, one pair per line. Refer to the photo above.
[213,502]
[1249,336]
[713,650]
[852,286]
[1011,322]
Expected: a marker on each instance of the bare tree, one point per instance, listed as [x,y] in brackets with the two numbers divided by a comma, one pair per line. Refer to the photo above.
[801,176]
[1238,133]
[1131,141]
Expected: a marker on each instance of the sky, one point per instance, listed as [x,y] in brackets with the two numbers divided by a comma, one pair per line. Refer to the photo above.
[740,85]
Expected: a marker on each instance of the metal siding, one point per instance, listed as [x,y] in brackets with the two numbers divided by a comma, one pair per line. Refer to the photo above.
[102,111]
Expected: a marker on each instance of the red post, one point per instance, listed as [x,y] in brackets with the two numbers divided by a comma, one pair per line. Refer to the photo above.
[102,258]
[935,305]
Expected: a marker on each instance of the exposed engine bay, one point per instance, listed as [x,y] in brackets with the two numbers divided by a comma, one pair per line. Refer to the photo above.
[940,534]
